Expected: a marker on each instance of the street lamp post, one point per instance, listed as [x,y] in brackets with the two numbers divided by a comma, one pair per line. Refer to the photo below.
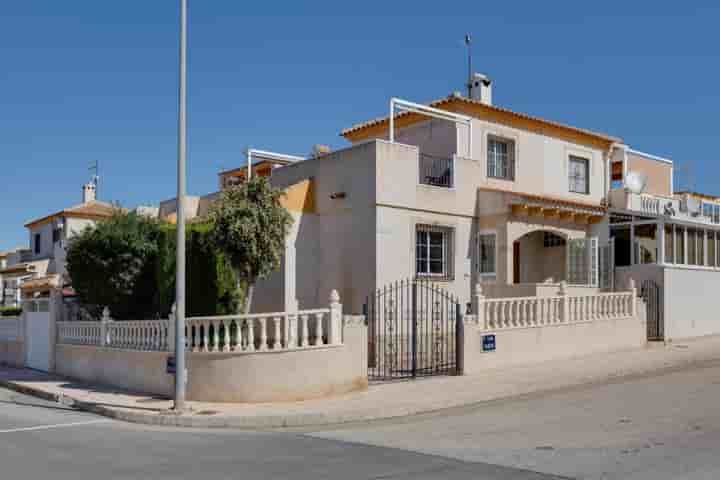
[180,263]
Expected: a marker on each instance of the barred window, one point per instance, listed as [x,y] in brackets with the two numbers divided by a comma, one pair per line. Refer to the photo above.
[433,251]
[487,254]
[552,240]
[578,174]
[501,158]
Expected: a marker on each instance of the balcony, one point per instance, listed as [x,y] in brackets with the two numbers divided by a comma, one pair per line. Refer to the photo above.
[436,171]
[659,205]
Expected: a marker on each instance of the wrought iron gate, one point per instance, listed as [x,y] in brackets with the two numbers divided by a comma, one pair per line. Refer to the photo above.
[653,295]
[414,329]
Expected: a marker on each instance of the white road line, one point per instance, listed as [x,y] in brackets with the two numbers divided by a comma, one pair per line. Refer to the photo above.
[57,425]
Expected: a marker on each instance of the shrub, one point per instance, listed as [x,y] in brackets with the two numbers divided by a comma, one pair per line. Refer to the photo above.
[10,311]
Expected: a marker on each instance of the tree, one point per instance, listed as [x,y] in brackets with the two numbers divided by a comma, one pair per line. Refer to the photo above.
[249,225]
[113,264]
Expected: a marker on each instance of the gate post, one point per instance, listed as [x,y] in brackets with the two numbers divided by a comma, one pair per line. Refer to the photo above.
[633,297]
[413,319]
[335,333]
[459,342]
[103,327]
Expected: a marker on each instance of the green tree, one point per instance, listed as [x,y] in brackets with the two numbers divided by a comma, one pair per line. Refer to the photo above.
[249,225]
[114,264]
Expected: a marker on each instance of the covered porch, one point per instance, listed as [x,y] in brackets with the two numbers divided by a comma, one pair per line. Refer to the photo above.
[541,242]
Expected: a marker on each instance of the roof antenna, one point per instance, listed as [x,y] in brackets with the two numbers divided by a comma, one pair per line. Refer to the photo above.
[95,168]
[468,41]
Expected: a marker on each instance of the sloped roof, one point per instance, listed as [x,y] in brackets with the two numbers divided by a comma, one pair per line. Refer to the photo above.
[92,210]
[456,102]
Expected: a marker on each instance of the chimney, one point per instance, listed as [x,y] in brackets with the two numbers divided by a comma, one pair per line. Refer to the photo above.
[88,192]
[319,150]
[481,88]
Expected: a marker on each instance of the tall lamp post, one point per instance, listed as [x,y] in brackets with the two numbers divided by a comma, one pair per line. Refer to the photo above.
[180,269]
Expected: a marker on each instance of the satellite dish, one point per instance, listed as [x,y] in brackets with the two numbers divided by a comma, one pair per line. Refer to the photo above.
[635,182]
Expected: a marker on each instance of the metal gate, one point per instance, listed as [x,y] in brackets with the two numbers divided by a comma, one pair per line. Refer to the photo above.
[414,329]
[653,295]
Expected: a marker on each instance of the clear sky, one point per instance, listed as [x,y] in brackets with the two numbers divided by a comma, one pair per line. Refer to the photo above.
[84,80]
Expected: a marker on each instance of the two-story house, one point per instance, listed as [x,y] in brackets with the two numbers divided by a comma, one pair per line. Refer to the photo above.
[458,192]
[49,236]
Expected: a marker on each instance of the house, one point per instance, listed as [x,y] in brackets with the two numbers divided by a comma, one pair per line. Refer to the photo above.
[11,275]
[49,236]
[458,192]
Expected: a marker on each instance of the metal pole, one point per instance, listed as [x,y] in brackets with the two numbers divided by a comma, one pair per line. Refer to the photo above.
[180,263]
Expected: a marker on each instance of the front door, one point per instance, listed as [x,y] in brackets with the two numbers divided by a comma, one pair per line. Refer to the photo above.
[516,262]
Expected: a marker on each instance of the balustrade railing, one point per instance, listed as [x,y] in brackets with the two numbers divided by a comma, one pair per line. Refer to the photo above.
[525,312]
[304,329]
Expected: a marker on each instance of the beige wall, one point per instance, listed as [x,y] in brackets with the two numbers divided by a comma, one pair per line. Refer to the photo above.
[287,375]
[659,174]
[335,244]
[526,346]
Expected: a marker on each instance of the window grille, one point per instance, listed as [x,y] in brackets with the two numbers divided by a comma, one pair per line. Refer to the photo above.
[434,252]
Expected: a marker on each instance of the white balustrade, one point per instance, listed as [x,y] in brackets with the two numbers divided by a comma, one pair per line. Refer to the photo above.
[304,329]
[526,312]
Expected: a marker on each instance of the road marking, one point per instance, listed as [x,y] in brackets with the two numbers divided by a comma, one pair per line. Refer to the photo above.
[56,425]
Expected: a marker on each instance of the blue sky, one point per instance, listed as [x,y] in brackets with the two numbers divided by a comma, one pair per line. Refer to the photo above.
[89,80]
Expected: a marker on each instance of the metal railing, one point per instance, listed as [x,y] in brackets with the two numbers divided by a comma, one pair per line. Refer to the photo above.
[436,171]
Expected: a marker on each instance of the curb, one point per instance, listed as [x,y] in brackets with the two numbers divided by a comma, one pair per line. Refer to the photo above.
[170,419]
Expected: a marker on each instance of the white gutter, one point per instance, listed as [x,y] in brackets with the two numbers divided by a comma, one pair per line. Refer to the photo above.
[404,105]
[650,156]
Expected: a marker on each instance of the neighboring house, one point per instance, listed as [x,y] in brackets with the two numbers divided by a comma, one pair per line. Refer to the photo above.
[49,236]
[13,271]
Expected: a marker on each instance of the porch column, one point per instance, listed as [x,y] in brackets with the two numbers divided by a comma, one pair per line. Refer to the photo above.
[705,252]
[685,249]
[660,241]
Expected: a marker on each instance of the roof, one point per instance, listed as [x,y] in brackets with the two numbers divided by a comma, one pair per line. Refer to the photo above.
[24,267]
[550,199]
[41,284]
[5,253]
[475,108]
[92,210]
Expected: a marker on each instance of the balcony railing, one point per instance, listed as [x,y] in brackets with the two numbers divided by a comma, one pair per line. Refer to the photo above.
[436,171]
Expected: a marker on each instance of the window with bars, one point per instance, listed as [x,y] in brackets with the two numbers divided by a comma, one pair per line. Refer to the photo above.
[433,251]
[501,158]
[487,253]
[578,168]
[552,240]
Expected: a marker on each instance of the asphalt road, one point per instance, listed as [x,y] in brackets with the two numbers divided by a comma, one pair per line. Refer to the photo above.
[43,441]
[656,427]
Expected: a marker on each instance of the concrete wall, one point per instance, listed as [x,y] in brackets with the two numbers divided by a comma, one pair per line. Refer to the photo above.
[691,302]
[335,243]
[215,377]
[525,346]
[541,162]
[659,174]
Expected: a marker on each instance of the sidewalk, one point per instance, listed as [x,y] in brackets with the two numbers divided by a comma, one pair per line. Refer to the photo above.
[380,401]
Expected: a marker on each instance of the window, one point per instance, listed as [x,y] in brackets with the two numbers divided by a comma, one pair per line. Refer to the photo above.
[436,171]
[433,251]
[710,249]
[692,253]
[680,245]
[36,243]
[56,235]
[578,174]
[711,211]
[501,158]
[552,240]
[486,254]
[669,251]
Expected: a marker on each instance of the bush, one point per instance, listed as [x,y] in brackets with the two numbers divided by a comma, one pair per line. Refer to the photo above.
[10,311]
[127,263]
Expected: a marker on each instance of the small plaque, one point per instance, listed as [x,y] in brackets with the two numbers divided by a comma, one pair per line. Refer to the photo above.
[488,343]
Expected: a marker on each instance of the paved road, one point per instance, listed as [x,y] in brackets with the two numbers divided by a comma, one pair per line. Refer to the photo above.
[43,441]
[655,428]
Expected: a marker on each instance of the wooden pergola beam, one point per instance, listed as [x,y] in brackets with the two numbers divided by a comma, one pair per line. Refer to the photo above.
[519,209]
[552,212]
[535,210]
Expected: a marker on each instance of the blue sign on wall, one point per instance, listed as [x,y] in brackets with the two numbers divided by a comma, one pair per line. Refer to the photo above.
[488,343]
